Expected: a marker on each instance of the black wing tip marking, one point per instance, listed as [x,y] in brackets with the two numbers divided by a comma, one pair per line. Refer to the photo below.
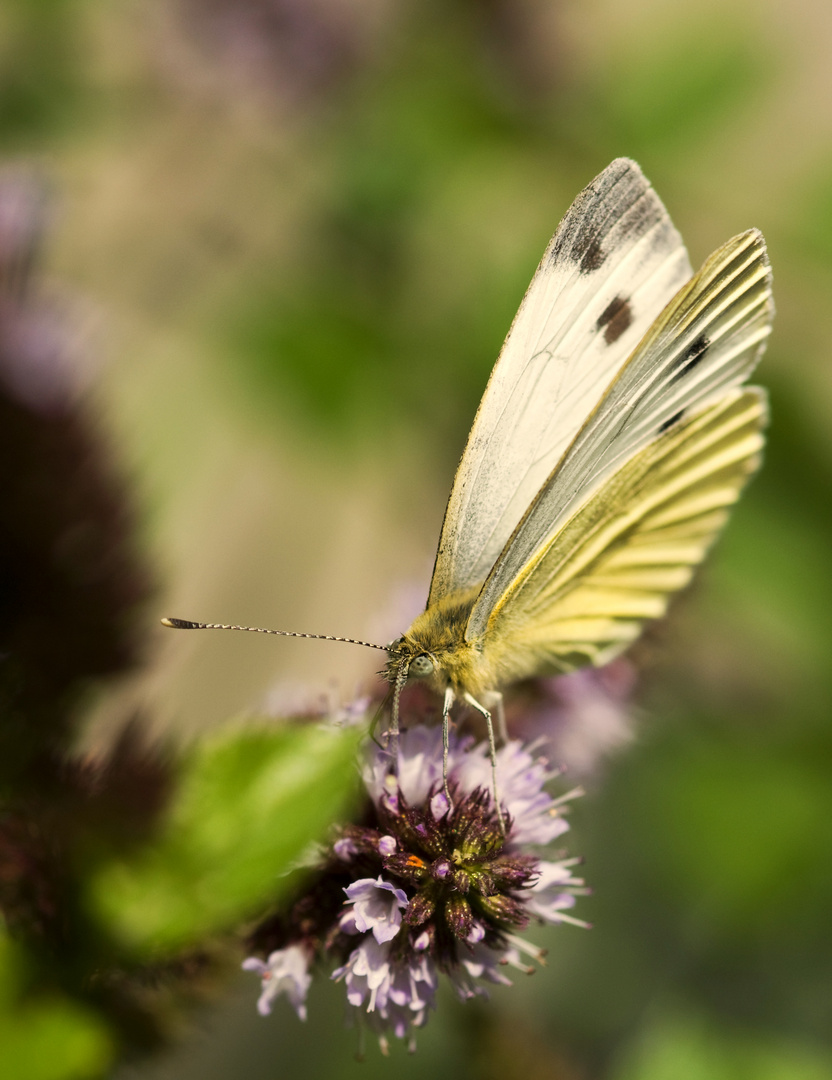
[620,197]
[589,255]
[616,317]
[620,168]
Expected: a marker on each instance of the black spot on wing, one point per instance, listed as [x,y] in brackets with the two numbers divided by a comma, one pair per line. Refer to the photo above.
[692,356]
[616,317]
[671,420]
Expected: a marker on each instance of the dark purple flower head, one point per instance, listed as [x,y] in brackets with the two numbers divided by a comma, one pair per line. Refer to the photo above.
[424,886]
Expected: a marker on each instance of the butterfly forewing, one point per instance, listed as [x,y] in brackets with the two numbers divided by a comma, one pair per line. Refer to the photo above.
[631,546]
[706,341]
[613,264]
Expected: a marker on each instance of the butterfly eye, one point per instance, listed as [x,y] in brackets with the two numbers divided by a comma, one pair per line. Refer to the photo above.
[420,666]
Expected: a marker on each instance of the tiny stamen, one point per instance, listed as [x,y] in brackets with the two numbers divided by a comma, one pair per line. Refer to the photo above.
[563,917]
[528,948]
[575,793]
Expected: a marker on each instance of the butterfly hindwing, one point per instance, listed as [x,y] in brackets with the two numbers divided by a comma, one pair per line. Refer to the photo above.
[613,264]
[630,548]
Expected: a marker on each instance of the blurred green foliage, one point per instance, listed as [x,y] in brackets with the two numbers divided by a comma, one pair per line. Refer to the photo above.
[673,88]
[688,1049]
[42,82]
[46,1036]
[247,807]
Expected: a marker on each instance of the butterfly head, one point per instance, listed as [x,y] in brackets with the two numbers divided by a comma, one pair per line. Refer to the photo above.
[407,659]
[434,648]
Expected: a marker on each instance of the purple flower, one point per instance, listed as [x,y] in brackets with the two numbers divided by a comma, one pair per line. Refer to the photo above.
[552,893]
[429,885]
[377,907]
[394,994]
[419,767]
[481,963]
[285,972]
[520,780]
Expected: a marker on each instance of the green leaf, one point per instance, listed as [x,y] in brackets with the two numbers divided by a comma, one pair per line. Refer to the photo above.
[247,807]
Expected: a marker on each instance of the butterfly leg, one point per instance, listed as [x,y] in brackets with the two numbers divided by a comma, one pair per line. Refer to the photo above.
[502,730]
[446,720]
[492,749]
[493,700]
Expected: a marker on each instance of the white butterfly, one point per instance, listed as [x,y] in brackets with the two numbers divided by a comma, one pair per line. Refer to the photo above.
[612,438]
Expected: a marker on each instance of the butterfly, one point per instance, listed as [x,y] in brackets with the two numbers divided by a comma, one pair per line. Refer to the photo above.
[614,435]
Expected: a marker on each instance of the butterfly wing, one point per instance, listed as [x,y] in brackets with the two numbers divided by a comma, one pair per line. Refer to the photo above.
[634,544]
[612,265]
[706,342]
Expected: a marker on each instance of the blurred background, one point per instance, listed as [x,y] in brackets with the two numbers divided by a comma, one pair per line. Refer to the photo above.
[279,244]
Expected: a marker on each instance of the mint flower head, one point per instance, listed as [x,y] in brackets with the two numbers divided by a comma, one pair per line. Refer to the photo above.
[426,887]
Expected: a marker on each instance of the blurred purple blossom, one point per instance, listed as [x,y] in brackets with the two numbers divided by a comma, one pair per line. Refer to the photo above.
[289,50]
[42,363]
[285,972]
[580,718]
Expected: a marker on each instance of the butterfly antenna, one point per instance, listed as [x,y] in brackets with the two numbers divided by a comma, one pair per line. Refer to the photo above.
[186,624]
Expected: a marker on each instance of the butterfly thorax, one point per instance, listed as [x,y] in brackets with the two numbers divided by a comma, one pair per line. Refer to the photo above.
[439,635]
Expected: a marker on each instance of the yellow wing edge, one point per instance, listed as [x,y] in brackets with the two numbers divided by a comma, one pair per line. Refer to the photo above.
[621,558]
